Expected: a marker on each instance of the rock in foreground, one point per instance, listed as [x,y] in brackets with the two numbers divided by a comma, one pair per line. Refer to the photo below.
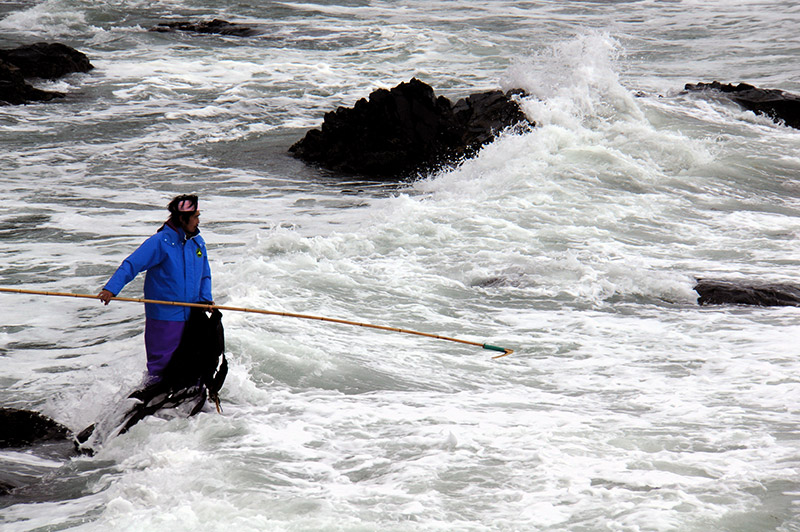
[20,428]
[40,439]
[778,105]
[407,129]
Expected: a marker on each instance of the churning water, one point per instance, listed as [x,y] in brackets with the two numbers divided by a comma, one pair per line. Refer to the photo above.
[626,407]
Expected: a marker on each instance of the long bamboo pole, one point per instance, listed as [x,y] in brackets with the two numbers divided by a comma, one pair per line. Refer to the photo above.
[268,312]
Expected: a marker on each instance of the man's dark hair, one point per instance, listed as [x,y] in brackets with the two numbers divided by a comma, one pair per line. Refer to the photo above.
[177,208]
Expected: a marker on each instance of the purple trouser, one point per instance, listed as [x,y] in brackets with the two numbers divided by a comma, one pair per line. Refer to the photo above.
[161,339]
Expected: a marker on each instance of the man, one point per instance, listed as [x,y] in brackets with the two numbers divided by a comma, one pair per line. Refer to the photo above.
[176,262]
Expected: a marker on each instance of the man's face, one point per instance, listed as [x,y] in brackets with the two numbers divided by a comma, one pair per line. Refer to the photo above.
[194,221]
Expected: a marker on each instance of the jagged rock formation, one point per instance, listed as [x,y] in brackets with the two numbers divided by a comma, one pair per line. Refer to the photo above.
[397,132]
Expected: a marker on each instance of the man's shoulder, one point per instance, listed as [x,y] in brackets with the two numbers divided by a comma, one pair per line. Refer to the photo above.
[165,232]
[164,236]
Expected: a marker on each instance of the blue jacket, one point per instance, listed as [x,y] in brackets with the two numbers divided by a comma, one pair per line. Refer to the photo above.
[177,270]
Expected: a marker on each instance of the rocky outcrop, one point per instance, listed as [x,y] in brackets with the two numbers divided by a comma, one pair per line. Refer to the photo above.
[398,132]
[778,105]
[217,26]
[743,293]
[46,60]
[40,60]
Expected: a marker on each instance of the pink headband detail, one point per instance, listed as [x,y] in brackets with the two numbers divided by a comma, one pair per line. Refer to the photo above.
[186,206]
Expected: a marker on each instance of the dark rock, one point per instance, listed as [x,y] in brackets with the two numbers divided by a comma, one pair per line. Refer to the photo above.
[485,114]
[6,487]
[46,60]
[778,105]
[14,90]
[24,431]
[220,27]
[40,60]
[19,428]
[742,293]
[407,129]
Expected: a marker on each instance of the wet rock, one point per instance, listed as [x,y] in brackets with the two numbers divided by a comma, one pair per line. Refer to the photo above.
[46,60]
[778,105]
[217,26]
[15,91]
[744,293]
[20,428]
[407,129]
[40,60]
[30,434]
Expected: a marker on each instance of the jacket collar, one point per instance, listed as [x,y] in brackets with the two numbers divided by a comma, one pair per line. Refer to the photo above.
[179,232]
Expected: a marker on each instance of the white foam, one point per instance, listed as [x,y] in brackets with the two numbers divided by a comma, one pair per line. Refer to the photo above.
[576,244]
[52,18]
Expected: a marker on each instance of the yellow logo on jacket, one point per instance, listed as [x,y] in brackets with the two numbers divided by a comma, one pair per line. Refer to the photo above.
[199,252]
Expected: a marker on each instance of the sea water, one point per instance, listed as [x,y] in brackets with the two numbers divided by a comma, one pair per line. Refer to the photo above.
[625,406]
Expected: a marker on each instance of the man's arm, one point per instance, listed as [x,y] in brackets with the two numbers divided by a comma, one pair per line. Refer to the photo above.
[146,256]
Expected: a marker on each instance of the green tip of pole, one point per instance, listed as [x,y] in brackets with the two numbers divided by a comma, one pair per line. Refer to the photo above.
[496,348]
[493,348]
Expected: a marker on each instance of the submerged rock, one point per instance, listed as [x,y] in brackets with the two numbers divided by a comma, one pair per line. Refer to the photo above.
[217,26]
[397,132]
[40,60]
[742,293]
[31,447]
[35,434]
[778,105]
